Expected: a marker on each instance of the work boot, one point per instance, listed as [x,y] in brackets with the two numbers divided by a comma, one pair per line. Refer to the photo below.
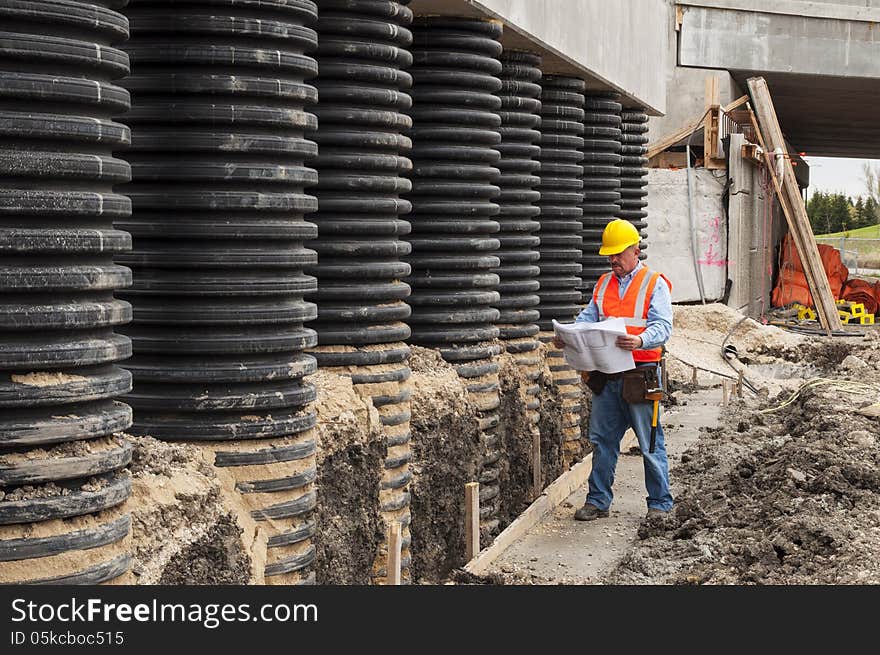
[590,512]
[653,512]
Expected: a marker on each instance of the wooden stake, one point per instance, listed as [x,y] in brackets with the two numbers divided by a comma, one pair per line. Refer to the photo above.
[472,519]
[725,393]
[536,463]
[395,542]
[739,385]
[694,377]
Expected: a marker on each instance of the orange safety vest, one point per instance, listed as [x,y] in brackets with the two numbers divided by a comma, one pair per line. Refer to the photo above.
[633,307]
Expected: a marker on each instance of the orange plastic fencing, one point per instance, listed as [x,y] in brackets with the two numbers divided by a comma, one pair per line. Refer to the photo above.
[792,285]
[864,292]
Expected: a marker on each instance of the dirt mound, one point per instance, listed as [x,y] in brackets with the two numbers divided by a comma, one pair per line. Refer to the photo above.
[182,532]
[784,491]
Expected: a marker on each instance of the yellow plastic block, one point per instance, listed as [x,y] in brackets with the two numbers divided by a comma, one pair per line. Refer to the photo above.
[806,314]
[866,319]
[844,316]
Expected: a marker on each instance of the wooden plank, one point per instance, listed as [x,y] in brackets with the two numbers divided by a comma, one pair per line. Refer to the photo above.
[770,136]
[813,279]
[472,519]
[554,494]
[669,160]
[803,233]
[536,464]
[670,140]
[712,102]
[711,132]
[395,542]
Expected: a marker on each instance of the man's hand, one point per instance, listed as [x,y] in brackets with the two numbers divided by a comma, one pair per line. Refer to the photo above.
[557,343]
[629,342]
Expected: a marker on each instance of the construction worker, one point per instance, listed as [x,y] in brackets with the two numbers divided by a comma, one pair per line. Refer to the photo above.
[643,298]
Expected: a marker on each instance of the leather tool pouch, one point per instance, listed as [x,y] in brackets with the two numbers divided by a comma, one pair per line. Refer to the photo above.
[634,387]
[596,382]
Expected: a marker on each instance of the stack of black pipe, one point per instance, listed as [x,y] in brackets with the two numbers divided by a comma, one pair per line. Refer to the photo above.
[520,133]
[562,181]
[561,188]
[455,157]
[362,53]
[601,182]
[218,143]
[62,478]
[634,171]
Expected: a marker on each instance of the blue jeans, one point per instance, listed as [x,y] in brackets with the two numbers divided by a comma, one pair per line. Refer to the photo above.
[610,417]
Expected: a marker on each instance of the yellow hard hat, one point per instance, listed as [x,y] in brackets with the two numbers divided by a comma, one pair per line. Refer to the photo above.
[618,236]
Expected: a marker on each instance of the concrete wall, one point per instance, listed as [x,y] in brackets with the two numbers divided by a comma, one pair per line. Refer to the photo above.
[864,10]
[738,243]
[669,232]
[792,44]
[751,252]
[618,43]
[685,87]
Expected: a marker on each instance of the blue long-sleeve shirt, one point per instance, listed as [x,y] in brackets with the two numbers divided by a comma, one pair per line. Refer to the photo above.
[659,311]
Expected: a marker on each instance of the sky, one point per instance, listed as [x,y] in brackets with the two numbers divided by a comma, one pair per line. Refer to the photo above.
[838,174]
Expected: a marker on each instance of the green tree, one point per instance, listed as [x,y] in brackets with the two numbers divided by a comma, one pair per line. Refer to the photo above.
[872,211]
[859,217]
[831,212]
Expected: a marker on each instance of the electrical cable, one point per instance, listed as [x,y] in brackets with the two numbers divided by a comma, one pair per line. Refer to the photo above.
[840,385]
[724,353]
[690,192]
[803,329]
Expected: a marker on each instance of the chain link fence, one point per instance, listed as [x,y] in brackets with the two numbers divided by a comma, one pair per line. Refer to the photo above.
[861,256]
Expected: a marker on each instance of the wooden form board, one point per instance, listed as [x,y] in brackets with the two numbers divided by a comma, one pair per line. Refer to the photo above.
[669,160]
[712,126]
[554,494]
[668,141]
[770,139]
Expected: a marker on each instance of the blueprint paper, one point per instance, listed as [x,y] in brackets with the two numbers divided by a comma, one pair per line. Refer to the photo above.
[592,346]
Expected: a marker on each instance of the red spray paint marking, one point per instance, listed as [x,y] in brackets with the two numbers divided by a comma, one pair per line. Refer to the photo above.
[712,258]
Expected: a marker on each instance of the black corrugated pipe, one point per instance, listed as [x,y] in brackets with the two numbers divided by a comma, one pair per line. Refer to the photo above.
[633,173]
[562,181]
[218,147]
[520,133]
[601,182]
[455,157]
[63,482]
[362,53]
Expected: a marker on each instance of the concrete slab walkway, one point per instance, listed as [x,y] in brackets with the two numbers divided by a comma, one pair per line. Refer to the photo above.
[560,550]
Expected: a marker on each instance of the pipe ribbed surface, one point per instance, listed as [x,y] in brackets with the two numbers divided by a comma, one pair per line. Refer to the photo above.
[633,173]
[218,143]
[63,478]
[562,181]
[455,157]
[601,182]
[518,217]
[362,53]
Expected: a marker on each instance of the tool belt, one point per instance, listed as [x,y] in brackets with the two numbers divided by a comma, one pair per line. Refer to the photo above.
[640,384]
